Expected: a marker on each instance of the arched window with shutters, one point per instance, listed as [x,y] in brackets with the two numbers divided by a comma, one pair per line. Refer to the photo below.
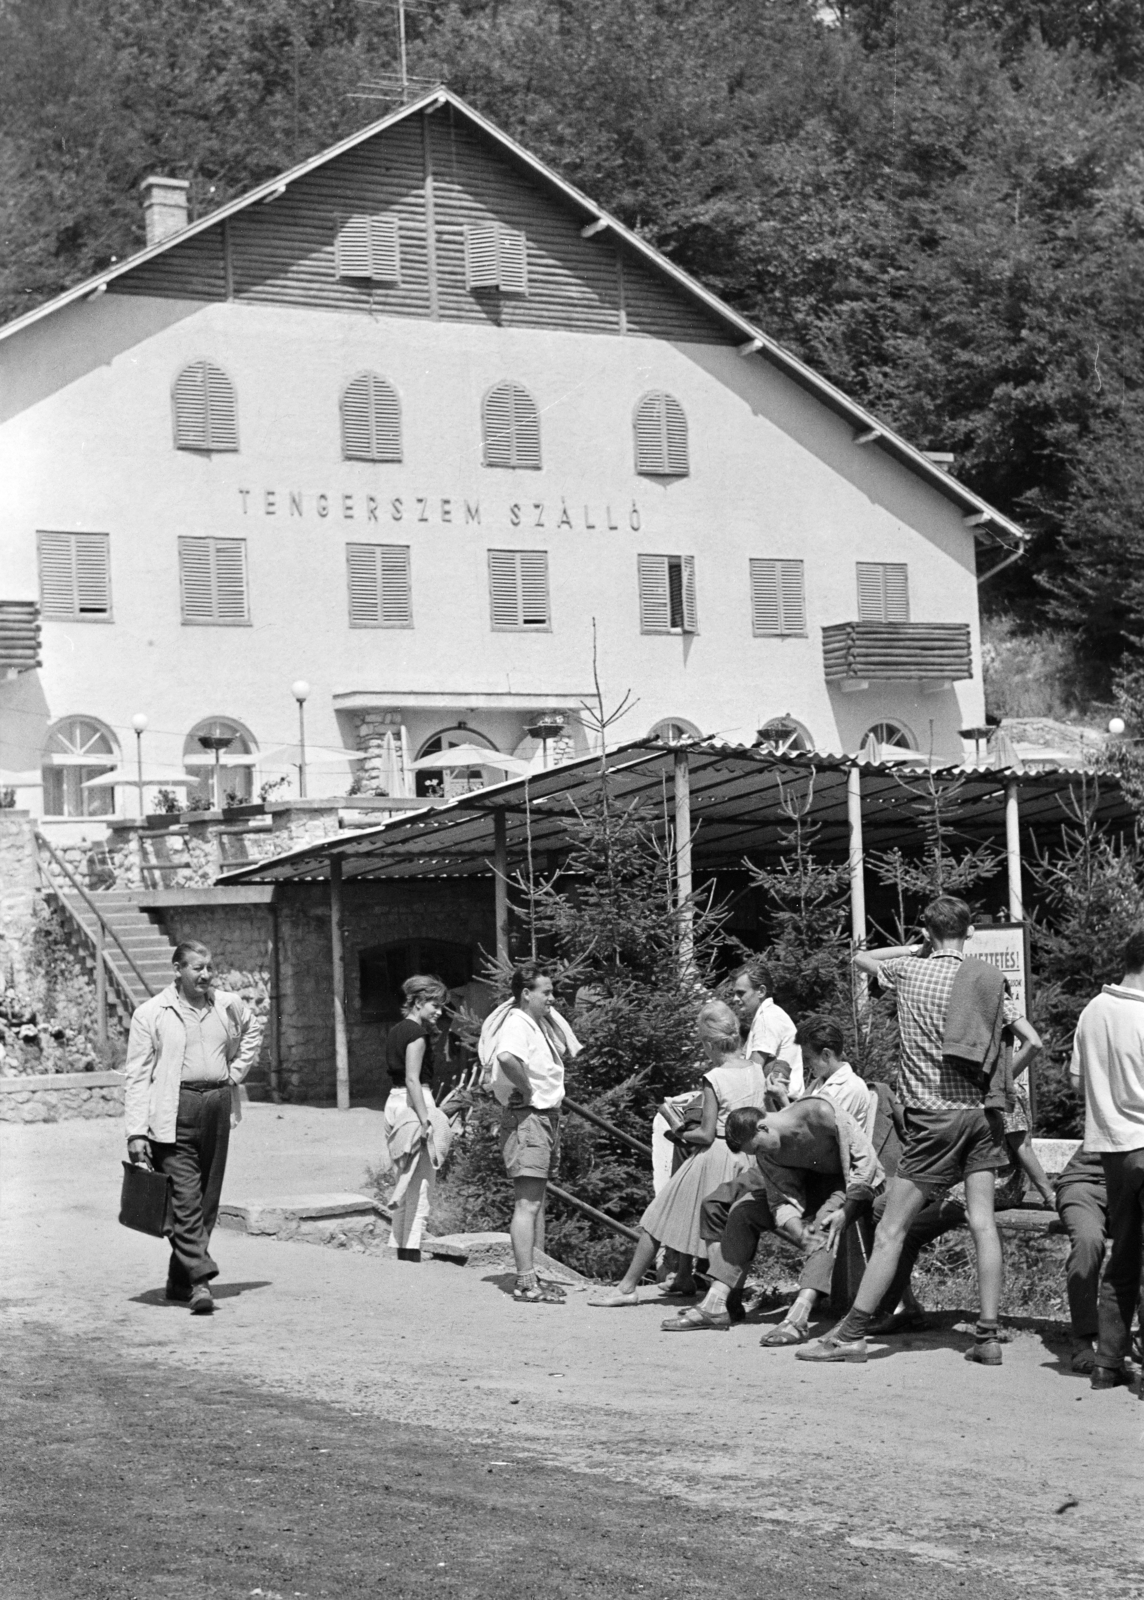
[78,749]
[371,419]
[660,428]
[205,408]
[510,423]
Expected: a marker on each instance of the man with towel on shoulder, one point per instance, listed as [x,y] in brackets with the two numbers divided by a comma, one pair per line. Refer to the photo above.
[956,1081]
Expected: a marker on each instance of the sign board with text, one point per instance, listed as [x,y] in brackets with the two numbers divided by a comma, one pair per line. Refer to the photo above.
[1006,946]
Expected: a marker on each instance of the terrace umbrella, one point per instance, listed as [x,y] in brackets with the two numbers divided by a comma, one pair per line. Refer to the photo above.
[472,755]
[153,778]
[32,779]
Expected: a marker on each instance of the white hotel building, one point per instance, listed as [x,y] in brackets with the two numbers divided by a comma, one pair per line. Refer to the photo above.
[408,423]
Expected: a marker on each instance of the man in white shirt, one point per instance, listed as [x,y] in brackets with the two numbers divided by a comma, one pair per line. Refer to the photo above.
[1108,1068]
[770,1032]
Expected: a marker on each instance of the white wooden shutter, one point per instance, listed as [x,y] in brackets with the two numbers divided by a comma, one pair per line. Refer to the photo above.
[660,429]
[396,592]
[362,582]
[766,600]
[212,577]
[792,591]
[379,586]
[690,601]
[651,457]
[205,409]
[352,249]
[196,579]
[371,419]
[897,592]
[504,589]
[230,579]
[482,263]
[92,575]
[57,575]
[871,592]
[655,607]
[384,250]
[511,424]
[512,262]
[533,567]
[675,438]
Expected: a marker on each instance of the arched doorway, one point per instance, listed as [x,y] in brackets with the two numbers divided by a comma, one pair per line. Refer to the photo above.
[235,763]
[445,782]
[78,748]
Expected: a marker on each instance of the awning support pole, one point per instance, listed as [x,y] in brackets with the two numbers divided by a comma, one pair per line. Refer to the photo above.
[500,882]
[337,953]
[1013,853]
[857,858]
[683,857]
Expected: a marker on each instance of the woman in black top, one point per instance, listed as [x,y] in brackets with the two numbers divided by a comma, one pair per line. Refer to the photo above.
[409,1062]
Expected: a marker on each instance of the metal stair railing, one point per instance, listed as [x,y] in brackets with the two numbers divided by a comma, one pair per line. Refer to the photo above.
[104,965]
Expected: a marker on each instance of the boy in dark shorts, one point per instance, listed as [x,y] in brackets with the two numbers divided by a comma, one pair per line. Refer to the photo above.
[953,1090]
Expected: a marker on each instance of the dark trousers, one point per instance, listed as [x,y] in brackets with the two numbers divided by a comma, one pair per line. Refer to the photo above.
[935,1218]
[737,1214]
[1083,1210]
[195,1164]
[1121,1286]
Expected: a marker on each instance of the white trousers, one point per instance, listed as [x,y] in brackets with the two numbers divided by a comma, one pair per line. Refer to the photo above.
[416,1182]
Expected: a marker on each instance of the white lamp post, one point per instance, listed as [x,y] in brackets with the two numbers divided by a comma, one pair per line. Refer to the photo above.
[1116,726]
[139,722]
[301,693]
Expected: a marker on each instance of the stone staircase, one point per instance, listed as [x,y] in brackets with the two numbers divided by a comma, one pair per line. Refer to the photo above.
[146,944]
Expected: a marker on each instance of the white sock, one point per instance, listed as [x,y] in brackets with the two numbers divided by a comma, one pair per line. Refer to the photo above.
[715,1300]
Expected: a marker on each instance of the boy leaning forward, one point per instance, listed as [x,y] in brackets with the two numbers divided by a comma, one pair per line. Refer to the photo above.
[955,1017]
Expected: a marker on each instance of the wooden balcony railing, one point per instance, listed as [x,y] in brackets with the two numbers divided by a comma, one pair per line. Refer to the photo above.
[890,652]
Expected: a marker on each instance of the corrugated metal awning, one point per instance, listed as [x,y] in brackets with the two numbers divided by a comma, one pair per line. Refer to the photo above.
[737,796]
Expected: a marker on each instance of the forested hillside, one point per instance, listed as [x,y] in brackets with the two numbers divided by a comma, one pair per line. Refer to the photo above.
[938,204]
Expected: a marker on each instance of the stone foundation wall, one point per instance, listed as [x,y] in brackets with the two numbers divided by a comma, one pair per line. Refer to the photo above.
[59,1096]
[17,897]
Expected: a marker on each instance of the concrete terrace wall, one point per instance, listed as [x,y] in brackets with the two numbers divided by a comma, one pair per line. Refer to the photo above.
[17,895]
[60,1096]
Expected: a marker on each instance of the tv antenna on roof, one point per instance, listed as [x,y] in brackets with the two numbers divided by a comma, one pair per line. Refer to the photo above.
[394,85]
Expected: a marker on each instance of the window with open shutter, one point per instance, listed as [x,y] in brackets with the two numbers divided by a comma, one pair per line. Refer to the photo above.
[212,580]
[510,423]
[380,592]
[778,600]
[883,591]
[205,409]
[369,248]
[496,257]
[371,419]
[668,600]
[518,590]
[75,575]
[660,428]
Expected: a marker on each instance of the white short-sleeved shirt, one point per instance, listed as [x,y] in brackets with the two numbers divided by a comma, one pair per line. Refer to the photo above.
[772,1033]
[523,1038]
[847,1090]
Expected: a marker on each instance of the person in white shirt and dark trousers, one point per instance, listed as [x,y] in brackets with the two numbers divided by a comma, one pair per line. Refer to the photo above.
[189,1048]
[1108,1068]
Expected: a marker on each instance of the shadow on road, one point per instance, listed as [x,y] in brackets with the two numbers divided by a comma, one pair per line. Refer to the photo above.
[221,1291]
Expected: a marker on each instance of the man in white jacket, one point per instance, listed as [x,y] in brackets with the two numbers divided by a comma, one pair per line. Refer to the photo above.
[1108,1068]
[189,1048]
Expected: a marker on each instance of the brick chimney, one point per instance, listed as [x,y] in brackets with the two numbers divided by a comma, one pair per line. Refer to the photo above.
[164,206]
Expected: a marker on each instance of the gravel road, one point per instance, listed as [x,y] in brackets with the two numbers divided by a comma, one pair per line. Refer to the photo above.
[543,1450]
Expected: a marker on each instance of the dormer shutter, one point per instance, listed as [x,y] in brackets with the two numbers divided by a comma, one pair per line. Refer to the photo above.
[496,257]
[368,248]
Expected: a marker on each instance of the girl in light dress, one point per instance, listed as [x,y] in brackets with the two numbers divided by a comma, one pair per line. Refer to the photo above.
[672,1219]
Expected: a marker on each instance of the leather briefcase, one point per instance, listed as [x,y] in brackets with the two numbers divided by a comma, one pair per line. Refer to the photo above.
[145,1203]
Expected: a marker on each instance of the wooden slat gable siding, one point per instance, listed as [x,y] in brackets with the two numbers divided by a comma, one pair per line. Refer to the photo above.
[282,252]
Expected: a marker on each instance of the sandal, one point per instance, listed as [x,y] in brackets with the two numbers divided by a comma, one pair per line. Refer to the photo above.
[537,1295]
[696,1320]
[786,1333]
[616,1297]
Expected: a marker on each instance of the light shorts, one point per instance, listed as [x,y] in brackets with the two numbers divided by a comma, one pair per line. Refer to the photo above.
[942,1147]
[530,1140]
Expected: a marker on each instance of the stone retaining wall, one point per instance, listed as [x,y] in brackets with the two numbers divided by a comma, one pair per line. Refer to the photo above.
[59,1096]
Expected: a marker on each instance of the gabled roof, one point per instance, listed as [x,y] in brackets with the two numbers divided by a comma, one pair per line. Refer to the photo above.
[988,524]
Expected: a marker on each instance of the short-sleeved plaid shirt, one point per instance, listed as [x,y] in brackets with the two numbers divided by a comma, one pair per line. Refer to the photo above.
[922,988]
